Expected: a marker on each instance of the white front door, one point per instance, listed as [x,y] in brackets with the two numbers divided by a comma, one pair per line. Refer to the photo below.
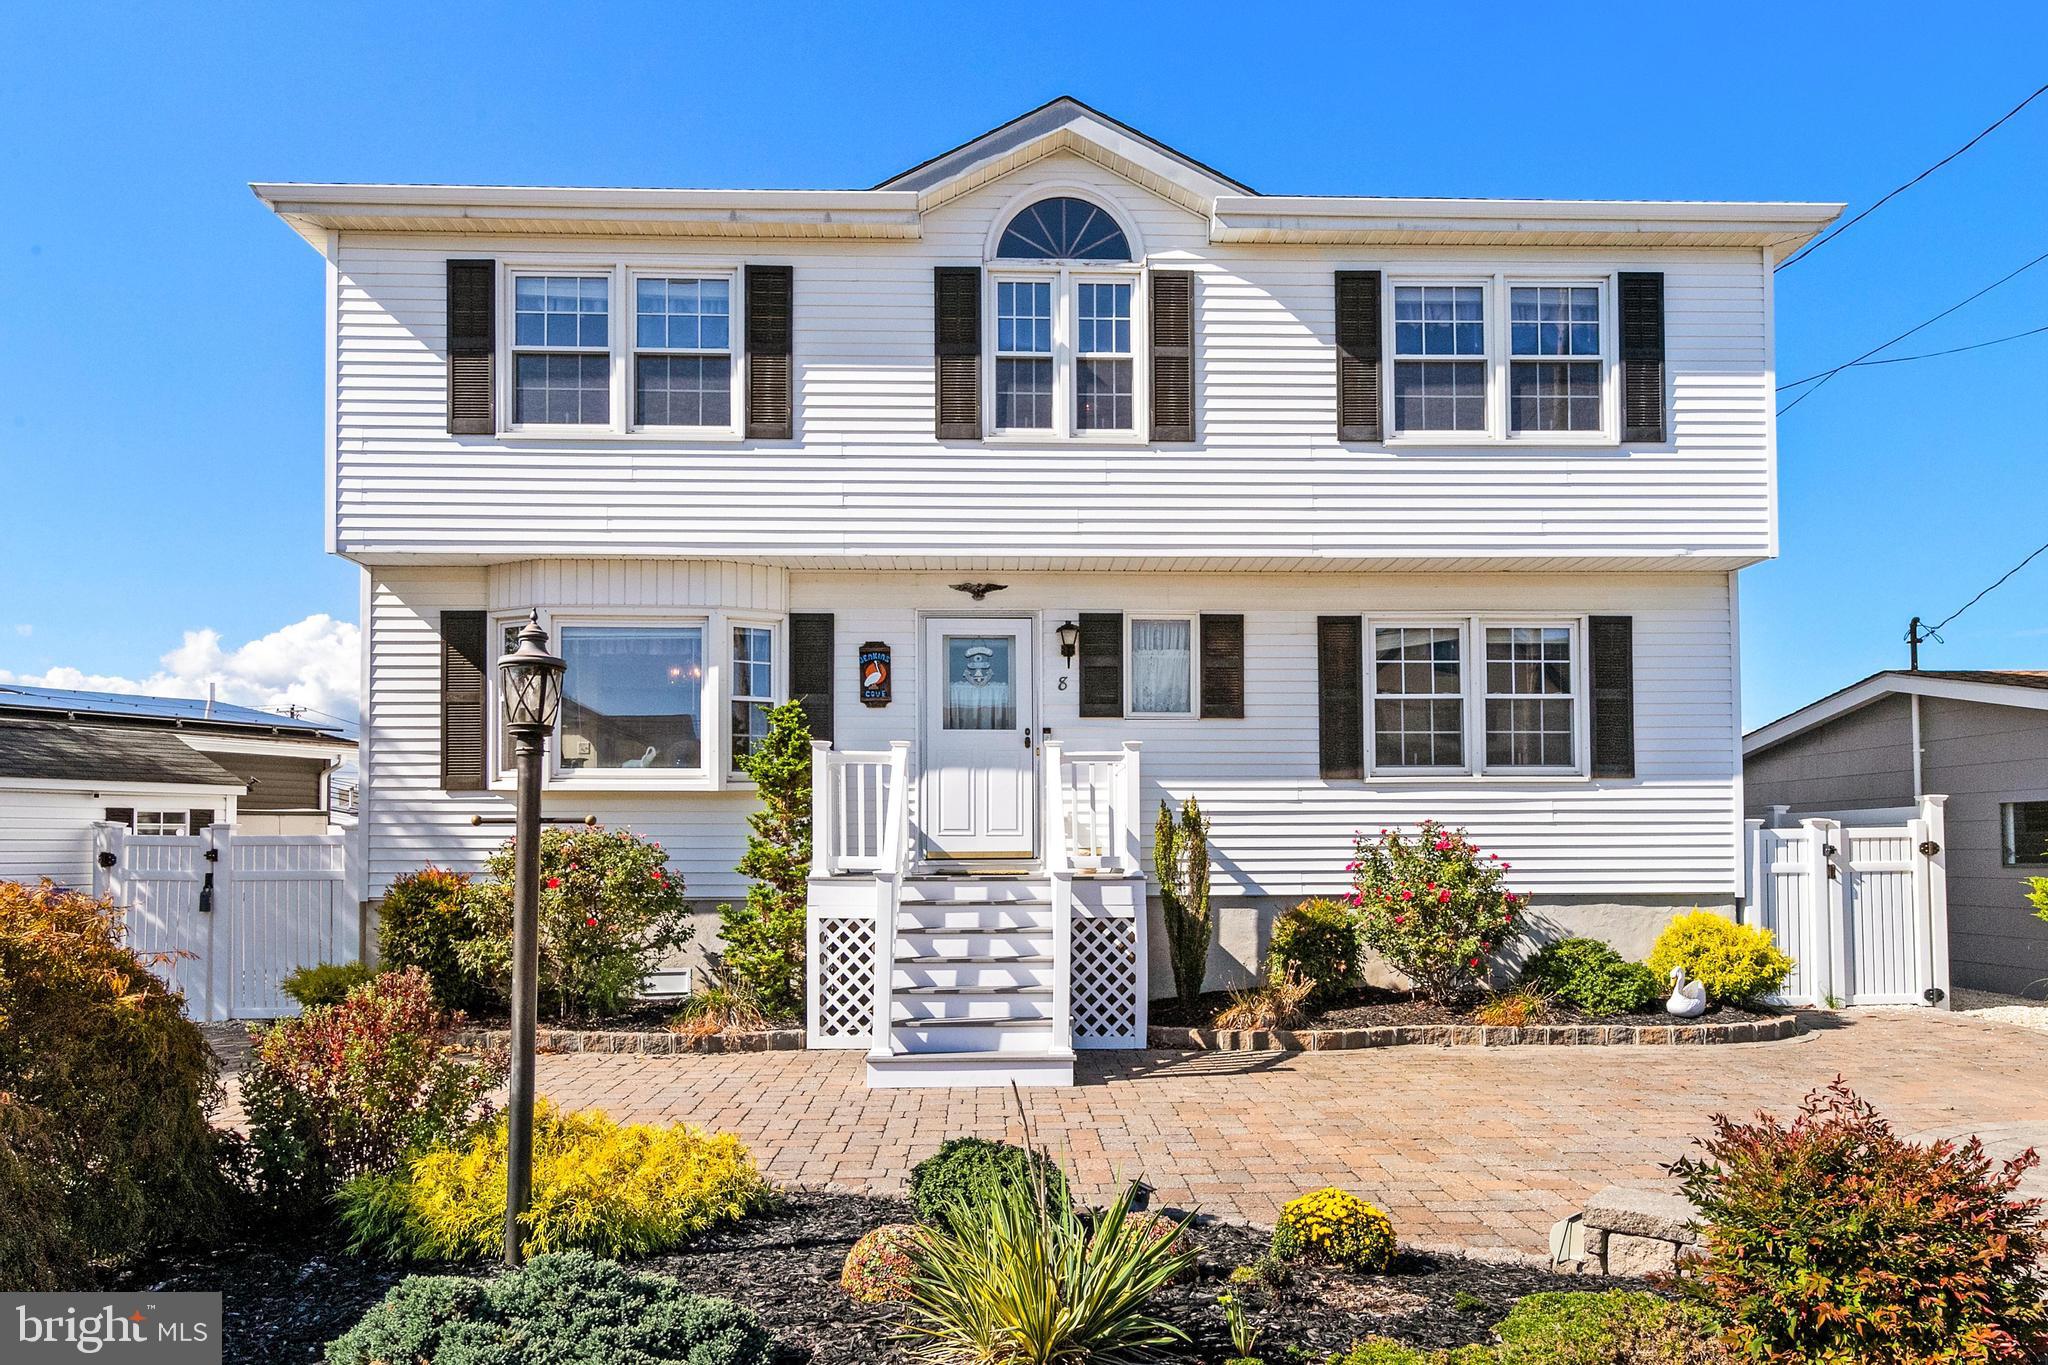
[978,789]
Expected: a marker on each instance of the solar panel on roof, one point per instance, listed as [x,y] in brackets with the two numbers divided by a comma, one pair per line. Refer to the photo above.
[14,697]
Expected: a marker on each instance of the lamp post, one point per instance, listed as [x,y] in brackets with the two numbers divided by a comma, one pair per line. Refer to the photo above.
[530,687]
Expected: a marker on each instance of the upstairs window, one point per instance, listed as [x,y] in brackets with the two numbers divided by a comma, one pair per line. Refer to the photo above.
[1554,346]
[682,352]
[561,360]
[1063,229]
[1439,357]
[1065,350]
[1024,366]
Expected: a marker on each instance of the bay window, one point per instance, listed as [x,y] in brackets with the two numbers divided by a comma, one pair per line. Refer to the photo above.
[753,689]
[632,698]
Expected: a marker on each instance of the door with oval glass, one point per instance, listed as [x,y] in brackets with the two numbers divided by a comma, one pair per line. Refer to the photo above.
[979,750]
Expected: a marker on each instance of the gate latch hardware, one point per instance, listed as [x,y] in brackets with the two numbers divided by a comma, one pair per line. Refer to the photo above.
[107,860]
[206,895]
[1928,848]
[1834,874]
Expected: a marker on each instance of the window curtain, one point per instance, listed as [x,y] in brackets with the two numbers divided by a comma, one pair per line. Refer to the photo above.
[1162,675]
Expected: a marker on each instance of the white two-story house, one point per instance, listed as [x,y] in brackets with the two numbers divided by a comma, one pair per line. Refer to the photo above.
[1060,475]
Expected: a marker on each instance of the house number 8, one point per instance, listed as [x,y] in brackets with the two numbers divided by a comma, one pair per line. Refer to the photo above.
[1063,682]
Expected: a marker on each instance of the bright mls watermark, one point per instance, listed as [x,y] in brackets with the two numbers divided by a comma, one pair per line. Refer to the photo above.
[167,1329]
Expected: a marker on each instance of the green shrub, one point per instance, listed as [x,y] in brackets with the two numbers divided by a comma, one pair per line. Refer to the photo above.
[1432,906]
[344,1090]
[610,911]
[1610,1327]
[763,940]
[1316,941]
[1735,962]
[1592,978]
[326,984]
[1385,1351]
[422,922]
[104,1086]
[1332,1225]
[598,1185]
[564,1309]
[1014,1279]
[964,1169]
[1830,1239]
[879,1268]
[1180,857]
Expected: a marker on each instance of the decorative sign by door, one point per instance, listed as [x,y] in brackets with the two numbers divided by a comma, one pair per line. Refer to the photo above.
[874,674]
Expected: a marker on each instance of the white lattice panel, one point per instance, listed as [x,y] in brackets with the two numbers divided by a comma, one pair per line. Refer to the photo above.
[842,982]
[1105,983]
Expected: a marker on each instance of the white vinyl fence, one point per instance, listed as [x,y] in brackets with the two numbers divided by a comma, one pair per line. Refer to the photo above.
[276,903]
[1862,908]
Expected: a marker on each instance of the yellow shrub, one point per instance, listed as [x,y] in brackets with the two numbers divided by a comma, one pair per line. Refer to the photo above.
[1735,962]
[609,1188]
[1334,1226]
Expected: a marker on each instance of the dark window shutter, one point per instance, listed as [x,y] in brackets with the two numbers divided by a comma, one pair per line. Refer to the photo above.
[1612,655]
[463,661]
[472,347]
[956,348]
[1222,667]
[1642,355]
[1102,663]
[1340,685]
[811,647]
[771,406]
[1173,355]
[1358,355]
[123,816]
[200,819]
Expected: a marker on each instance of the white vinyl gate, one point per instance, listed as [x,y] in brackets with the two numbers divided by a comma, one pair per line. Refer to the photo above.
[279,902]
[1862,909]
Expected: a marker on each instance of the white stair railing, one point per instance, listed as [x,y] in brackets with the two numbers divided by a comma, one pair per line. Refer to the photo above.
[1059,864]
[853,795]
[1092,804]
[893,864]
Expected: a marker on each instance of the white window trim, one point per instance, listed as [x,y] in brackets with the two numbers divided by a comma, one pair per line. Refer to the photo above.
[1581,702]
[1463,625]
[1500,360]
[1066,313]
[621,331]
[1194,711]
[778,680]
[2008,832]
[734,377]
[181,825]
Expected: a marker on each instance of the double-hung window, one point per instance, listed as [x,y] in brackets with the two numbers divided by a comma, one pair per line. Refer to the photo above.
[682,351]
[1555,358]
[1439,358]
[1418,708]
[1103,359]
[1064,287]
[1530,698]
[1024,355]
[1162,655]
[632,697]
[561,350]
[753,689]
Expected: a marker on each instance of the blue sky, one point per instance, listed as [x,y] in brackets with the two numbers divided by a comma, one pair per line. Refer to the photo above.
[160,362]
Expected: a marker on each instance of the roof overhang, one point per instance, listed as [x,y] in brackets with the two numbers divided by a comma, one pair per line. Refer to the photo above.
[325,747]
[313,210]
[1856,696]
[1335,221]
[125,788]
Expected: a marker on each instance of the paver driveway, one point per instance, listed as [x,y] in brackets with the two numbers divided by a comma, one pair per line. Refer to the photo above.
[1481,1148]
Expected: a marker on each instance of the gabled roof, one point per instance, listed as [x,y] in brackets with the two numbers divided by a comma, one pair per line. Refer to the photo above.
[1066,124]
[51,750]
[2021,687]
[186,712]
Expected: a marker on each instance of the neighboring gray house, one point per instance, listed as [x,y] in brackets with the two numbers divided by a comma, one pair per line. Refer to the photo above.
[1978,737]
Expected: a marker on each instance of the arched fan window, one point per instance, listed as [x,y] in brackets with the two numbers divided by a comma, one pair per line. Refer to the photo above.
[1063,229]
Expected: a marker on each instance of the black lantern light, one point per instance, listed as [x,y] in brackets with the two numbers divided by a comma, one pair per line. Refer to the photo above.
[530,682]
[1070,640]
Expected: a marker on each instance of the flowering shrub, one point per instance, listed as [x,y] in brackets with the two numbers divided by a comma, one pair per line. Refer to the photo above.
[1735,962]
[879,1268]
[1317,941]
[104,1086]
[1332,1225]
[1591,977]
[1432,906]
[421,922]
[1830,1239]
[598,1185]
[610,910]
[346,1089]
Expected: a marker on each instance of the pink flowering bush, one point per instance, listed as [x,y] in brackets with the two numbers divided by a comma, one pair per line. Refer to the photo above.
[1433,906]
[610,911]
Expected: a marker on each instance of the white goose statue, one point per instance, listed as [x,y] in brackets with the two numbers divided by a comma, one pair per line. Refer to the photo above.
[1688,998]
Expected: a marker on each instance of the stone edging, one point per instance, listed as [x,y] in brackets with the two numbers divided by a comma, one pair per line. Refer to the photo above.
[1472,1035]
[652,1044]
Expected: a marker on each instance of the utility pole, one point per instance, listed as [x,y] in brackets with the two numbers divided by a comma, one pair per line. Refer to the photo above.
[1913,639]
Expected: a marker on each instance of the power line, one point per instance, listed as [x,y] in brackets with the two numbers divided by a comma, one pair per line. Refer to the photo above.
[1924,355]
[1822,379]
[1980,596]
[1823,240]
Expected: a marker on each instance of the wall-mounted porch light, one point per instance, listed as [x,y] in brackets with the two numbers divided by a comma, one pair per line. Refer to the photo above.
[1070,640]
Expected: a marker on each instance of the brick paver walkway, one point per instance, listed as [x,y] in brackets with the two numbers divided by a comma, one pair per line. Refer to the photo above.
[1483,1148]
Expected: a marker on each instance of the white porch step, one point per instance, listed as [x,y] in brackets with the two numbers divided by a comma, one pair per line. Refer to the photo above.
[981,918]
[949,1069]
[911,976]
[971,1035]
[985,1007]
[976,891]
[968,947]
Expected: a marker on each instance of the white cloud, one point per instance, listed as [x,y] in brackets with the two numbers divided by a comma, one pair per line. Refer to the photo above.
[24,631]
[315,663]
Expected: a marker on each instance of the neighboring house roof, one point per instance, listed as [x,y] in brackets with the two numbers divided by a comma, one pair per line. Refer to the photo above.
[895,208]
[2022,687]
[43,749]
[184,712]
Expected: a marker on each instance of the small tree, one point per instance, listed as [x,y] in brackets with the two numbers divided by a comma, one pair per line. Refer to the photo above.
[764,938]
[1180,855]
[1432,906]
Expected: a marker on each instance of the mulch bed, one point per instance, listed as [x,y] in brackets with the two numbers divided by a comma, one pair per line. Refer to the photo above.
[286,1297]
[1374,1006]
